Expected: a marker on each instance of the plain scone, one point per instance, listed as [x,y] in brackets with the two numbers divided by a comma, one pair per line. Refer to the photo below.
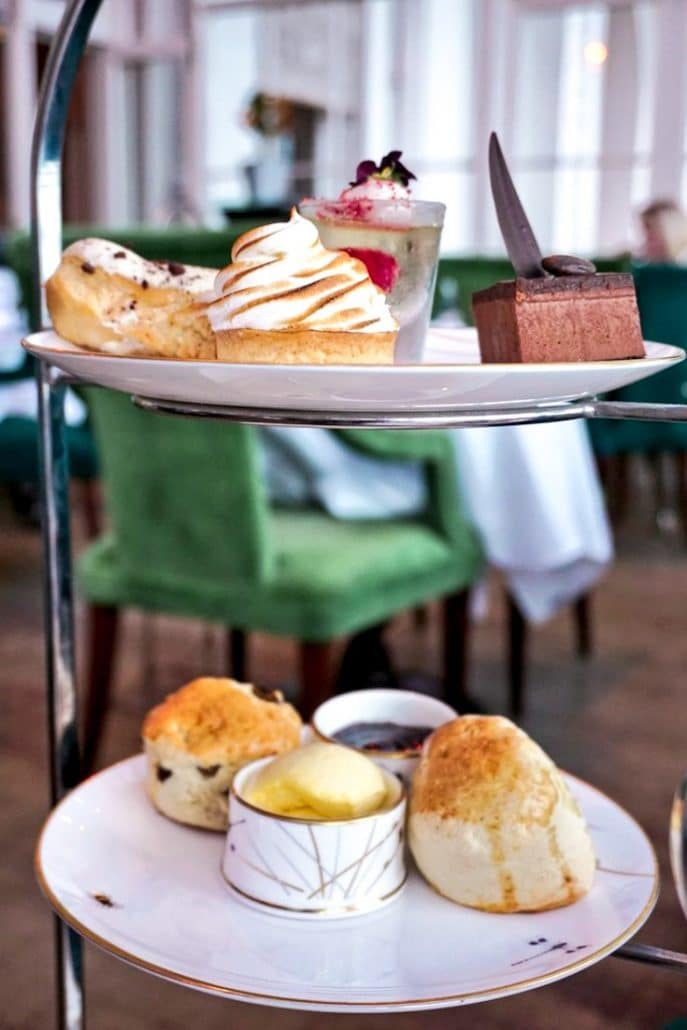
[492,824]
[201,735]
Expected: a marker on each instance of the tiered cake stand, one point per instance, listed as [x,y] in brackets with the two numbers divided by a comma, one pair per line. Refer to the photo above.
[64,58]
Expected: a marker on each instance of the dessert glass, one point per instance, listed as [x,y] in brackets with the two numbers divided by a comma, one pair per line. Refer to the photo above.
[307,867]
[399,242]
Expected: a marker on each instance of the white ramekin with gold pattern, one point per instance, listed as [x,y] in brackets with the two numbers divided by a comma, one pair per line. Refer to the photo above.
[382,704]
[303,867]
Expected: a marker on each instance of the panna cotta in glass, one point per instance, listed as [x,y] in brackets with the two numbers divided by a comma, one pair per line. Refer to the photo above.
[376,220]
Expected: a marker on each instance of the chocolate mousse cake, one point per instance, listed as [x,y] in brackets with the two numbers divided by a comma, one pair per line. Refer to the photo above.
[569,316]
[572,317]
[558,308]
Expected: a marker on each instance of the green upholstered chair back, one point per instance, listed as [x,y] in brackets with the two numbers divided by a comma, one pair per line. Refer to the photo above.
[459,277]
[192,245]
[183,495]
[662,301]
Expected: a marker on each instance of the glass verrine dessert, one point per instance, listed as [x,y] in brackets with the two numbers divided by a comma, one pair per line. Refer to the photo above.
[376,220]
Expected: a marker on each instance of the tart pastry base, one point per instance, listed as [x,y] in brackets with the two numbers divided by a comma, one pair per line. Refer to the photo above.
[304,347]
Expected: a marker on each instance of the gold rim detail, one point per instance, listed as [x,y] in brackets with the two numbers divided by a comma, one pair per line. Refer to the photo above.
[323,913]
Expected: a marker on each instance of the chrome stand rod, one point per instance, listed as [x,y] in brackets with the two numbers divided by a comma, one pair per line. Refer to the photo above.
[637,411]
[437,419]
[62,722]
[486,415]
[61,682]
[46,225]
[650,955]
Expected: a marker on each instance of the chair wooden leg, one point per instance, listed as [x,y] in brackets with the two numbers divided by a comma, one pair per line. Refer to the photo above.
[517,657]
[681,464]
[102,641]
[90,502]
[420,616]
[365,662]
[455,635]
[660,492]
[603,463]
[622,487]
[236,654]
[315,675]
[583,626]
[613,473]
[148,652]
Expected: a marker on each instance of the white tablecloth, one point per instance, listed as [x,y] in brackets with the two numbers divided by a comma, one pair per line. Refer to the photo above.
[532,492]
[12,322]
[19,398]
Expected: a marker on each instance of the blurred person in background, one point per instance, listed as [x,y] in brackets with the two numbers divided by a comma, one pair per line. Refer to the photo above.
[664,228]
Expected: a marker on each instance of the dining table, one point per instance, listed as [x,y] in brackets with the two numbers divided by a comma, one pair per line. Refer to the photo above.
[532,491]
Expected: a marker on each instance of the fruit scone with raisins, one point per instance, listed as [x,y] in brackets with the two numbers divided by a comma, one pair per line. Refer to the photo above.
[198,738]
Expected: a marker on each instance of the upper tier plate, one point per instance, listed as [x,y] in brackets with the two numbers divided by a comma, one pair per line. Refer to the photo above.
[451,377]
[150,892]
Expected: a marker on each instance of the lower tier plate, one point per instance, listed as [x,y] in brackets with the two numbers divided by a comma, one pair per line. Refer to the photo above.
[150,892]
[450,377]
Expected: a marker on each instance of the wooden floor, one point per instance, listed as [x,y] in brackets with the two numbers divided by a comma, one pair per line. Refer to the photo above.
[618,720]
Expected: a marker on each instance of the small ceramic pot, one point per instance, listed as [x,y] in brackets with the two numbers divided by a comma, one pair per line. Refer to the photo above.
[405,707]
[303,867]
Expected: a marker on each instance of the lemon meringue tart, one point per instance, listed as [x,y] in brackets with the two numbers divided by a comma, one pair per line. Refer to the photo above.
[286,299]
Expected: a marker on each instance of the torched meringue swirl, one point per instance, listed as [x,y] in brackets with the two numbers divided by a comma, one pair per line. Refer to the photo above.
[282,277]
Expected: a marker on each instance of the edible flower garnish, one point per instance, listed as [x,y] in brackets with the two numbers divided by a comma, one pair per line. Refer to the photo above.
[390,167]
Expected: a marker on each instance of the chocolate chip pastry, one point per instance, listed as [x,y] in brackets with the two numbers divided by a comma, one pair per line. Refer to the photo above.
[109,299]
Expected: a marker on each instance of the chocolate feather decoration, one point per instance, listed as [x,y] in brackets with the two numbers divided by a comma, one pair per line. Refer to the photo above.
[521,243]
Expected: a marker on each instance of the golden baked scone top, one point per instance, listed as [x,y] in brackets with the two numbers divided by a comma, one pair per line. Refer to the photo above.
[221,719]
[481,768]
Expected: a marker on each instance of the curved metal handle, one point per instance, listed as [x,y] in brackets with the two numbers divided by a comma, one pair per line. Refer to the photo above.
[652,956]
[677,841]
[46,229]
[63,61]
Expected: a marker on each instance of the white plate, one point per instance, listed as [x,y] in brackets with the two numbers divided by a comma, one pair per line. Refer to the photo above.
[150,892]
[451,376]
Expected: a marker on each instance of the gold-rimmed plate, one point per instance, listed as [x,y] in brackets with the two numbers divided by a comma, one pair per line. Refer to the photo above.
[151,893]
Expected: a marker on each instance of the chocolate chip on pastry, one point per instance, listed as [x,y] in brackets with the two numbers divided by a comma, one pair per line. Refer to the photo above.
[107,298]
[201,735]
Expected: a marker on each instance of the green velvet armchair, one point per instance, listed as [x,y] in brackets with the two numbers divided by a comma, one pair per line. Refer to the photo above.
[192,533]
